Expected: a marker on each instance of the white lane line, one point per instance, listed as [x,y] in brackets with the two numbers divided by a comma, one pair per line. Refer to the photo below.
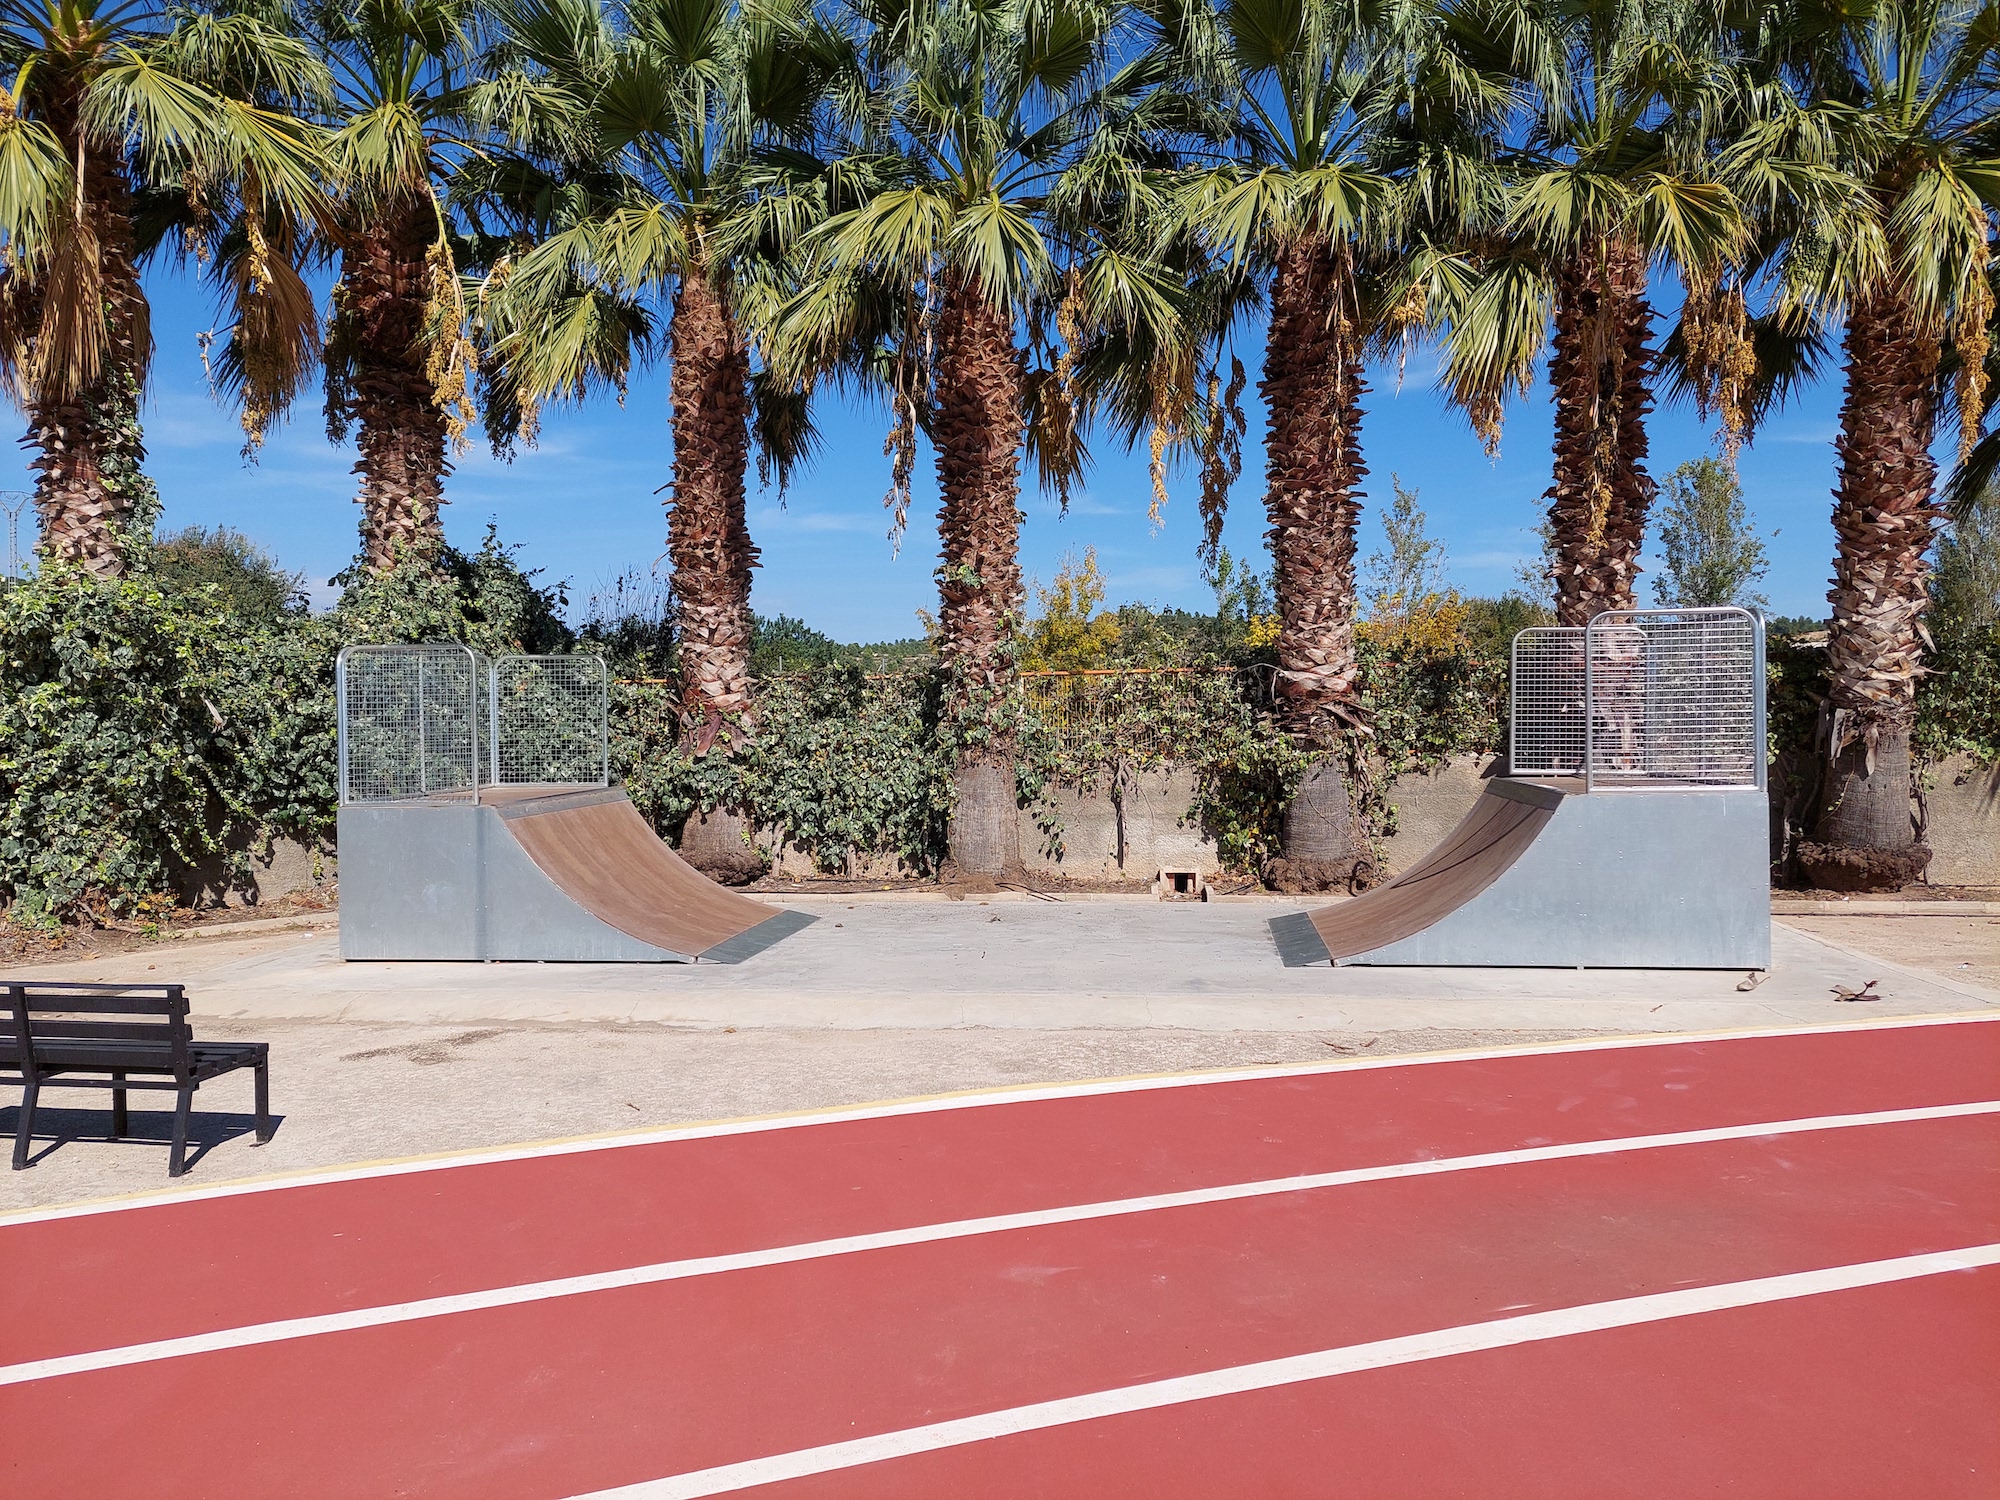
[939,1103]
[285,1329]
[1470,1338]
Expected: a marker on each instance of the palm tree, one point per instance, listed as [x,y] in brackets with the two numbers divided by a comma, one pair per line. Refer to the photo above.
[1351,122]
[397,357]
[115,118]
[1607,177]
[1309,83]
[964,117]
[652,140]
[1876,151]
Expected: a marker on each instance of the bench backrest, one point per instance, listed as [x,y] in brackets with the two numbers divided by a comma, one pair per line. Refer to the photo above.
[153,1015]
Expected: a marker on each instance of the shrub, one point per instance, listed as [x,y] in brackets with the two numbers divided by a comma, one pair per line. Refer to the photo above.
[141,732]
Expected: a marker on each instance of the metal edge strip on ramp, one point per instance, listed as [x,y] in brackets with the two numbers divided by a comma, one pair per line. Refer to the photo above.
[1495,831]
[1299,942]
[606,858]
[754,940]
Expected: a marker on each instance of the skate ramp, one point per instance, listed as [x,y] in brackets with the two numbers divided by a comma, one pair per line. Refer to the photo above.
[1488,839]
[601,854]
[1541,874]
[536,874]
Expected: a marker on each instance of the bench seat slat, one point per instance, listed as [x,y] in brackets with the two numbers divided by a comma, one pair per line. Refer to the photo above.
[85,1002]
[69,1053]
[127,1030]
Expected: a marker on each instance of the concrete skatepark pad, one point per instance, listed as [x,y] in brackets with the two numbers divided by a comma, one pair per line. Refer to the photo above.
[535,873]
[1542,874]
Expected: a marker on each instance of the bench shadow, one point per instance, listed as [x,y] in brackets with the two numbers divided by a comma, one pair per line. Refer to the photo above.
[207,1129]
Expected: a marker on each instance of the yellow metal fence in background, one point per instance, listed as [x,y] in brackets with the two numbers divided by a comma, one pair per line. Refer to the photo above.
[1146,713]
[1141,712]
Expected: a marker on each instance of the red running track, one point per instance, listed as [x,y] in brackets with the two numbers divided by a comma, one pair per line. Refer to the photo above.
[1761,1366]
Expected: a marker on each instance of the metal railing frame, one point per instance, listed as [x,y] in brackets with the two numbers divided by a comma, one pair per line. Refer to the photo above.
[603,696]
[484,763]
[1623,618]
[424,653]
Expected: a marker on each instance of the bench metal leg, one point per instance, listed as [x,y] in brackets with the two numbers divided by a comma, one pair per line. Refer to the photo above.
[119,1124]
[177,1157]
[25,1126]
[263,1102]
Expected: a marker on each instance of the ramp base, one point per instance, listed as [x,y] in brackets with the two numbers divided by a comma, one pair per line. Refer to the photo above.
[538,875]
[1538,876]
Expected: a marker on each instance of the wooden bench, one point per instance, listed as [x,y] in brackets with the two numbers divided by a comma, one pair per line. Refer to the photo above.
[137,1037]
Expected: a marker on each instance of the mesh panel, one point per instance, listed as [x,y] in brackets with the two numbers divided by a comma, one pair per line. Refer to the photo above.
[549,725]
[1675,697]
[410,722]
[1545,702]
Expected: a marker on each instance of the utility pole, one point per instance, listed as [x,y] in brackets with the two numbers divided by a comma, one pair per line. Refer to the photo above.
[14,502]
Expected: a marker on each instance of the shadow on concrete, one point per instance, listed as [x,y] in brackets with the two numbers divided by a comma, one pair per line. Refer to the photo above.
[207,1129]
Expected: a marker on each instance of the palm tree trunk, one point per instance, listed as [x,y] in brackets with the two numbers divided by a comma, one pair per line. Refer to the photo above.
[708,540]
[92,496]
[1312,389]
[1601,372]
[381,302]
[1883,520]
[978,438]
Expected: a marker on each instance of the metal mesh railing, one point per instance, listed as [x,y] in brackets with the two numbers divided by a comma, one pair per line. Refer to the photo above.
[1677,696]
[550,721]
[410,720]
[1644,697]
[440,721]
[1545,723]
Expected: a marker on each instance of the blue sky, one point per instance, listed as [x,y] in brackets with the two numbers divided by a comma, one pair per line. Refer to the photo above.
[584,509]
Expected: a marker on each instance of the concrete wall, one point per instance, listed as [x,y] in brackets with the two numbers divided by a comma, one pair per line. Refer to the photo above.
[284,869]
[1133,838]
[1429,806]
[1963,800]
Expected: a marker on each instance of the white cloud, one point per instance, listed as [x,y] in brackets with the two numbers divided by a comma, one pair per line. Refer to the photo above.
[776,518]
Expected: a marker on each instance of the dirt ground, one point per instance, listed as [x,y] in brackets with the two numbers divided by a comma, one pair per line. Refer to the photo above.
[1966,948]
[108,935]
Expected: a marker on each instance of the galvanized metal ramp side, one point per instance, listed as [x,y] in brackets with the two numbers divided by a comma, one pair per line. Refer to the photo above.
[1299,943]
[754,940]
[446,881]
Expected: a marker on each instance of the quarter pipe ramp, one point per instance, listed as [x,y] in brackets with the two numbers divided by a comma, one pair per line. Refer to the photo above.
[1542,874]
[544,873]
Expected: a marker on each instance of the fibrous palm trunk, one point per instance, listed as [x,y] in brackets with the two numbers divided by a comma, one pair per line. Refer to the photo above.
[380,305]
[1601,371]
[708,541]
[1312,389]
[977,432]
[1884,517]
[91,496]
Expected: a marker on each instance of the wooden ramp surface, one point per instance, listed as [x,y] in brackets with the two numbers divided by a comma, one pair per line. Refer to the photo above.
[1506,819]
[602,855]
